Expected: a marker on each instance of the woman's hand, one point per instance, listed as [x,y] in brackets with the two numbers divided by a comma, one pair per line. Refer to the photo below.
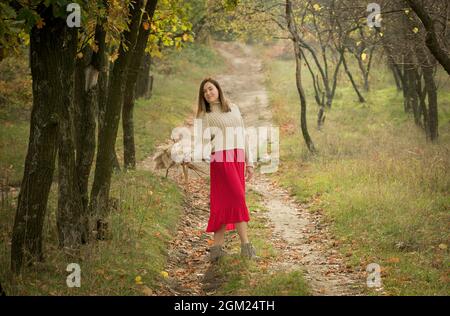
[248,173]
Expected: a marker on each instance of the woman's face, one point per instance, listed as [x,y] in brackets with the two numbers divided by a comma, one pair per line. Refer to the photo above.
[210,92]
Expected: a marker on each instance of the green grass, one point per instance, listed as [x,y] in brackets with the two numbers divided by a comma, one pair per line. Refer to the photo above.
[382,186]
[140,229]
[149,207]
[246,277]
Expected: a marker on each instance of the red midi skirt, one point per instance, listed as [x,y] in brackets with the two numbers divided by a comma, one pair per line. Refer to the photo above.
[227,190]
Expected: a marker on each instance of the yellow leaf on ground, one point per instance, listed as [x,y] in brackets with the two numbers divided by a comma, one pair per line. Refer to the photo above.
[164,274]
[443,246]
[138,280]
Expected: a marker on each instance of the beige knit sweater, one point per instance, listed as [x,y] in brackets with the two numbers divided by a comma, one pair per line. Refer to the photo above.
[214,125]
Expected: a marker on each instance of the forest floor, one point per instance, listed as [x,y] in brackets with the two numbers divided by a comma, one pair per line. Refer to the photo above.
[301,245]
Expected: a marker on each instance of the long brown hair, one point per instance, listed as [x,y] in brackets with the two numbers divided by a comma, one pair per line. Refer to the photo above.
[203,105]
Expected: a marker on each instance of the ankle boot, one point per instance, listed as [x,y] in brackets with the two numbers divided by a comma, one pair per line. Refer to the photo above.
[216,252]
[248,251]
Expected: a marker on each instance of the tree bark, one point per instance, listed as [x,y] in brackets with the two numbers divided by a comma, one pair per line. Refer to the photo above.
[319,96]
[416,105]
[396,76]
[70,207]
[349,74]
[88,72]
[108,133]
[51,52]
[295,39]
[323,74]
[432,104]
[144,81]
[411,89]
[422,93]
[130,87]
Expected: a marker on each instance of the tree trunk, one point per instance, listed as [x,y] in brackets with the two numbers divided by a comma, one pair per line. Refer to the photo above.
[295,38]
[412,95]
[70,207]
[432,105]
[335,76]
[320,99]
[130,87]
[427,63]
[103,79]
[323,74]
[51,52]
[144,81]
[355,87]
[87,87]
[108,133]
[365,70]
[396,76]
[406,86]
[396,70]
[416,105]
[422,94]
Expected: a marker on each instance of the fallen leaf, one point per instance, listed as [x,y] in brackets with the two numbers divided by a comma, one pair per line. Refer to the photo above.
[147,291]
[393,260]
[164,274]
[138,280]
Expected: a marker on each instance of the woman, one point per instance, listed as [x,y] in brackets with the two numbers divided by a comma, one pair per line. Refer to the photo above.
[230,166]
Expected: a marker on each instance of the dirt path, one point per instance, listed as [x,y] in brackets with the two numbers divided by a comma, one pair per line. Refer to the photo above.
[301,238]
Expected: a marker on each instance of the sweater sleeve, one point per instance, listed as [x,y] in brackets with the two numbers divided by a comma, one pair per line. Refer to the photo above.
[206,131]
[248,153]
